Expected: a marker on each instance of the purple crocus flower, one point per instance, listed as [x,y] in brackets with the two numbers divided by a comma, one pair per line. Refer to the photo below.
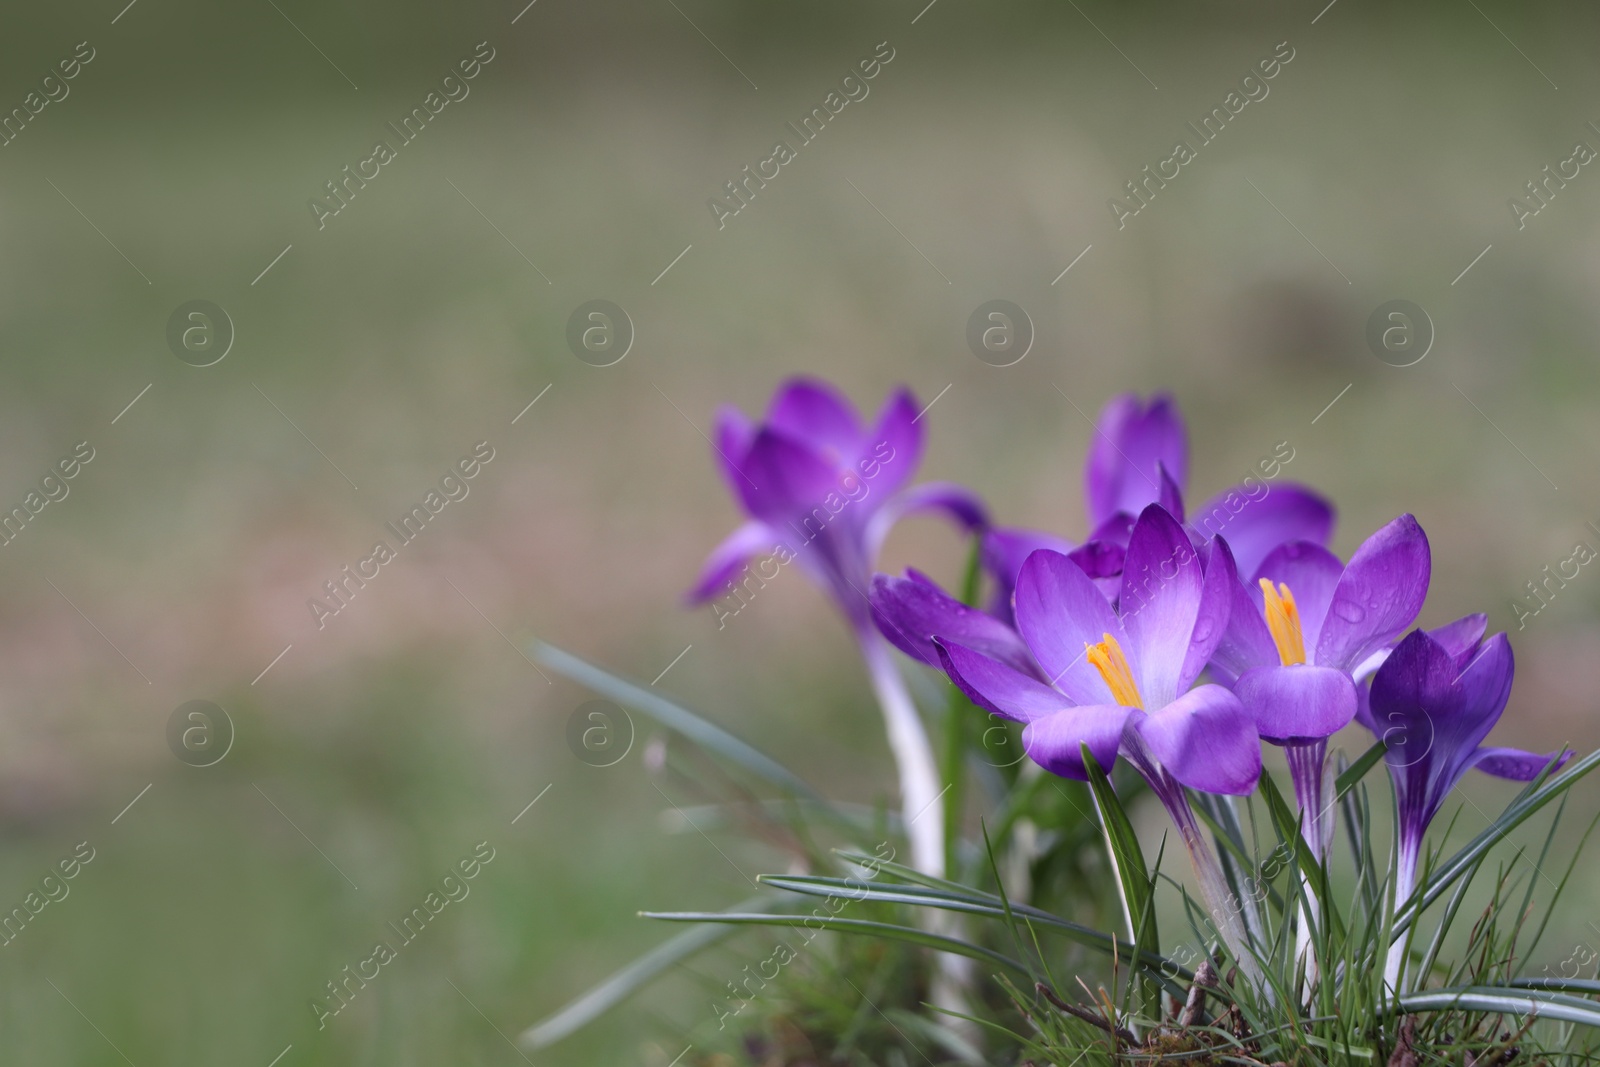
[1078,671]
[1140,456]
[823,490]
[1300,632]
[1433,701]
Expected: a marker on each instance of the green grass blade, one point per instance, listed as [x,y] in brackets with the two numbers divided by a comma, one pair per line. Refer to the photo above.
[702,731]
[1358,770]
[1504,1001]
[629,980]
[869,927]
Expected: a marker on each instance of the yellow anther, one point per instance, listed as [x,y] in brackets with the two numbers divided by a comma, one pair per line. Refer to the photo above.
[1107,658]
[1283,620]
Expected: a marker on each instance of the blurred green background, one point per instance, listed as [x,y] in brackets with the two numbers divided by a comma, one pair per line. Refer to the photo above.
[424,317]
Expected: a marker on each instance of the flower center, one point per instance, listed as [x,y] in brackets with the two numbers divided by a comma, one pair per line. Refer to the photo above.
[1107,658]
[1283,620]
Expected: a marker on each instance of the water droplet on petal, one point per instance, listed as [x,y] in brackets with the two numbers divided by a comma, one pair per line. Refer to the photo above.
[1349,610]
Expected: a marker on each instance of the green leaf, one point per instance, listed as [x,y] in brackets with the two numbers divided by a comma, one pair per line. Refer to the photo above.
[1358,770]
[1316,875]
[1504,1001]
[1539,793]
[972,902]
[1127,858]
[702,731]
[629,980]
[850,926]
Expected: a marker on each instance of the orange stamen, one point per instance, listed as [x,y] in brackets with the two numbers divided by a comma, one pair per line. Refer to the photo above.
[1107,658]
[1283,620]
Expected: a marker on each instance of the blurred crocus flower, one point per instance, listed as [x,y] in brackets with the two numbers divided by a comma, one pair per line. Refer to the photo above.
[1433,702]
[1080,672]
[1140,456]
[822,489]
[1302,629]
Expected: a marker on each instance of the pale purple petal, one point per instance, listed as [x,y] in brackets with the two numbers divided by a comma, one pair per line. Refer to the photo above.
[1059,611]
[996,687]
[1380,594]
[1463,635]
[911,612]
[1312,574]
[1517,765]
[1002,553]
[960,504]
[1055,742]
[813,411]
[1130,441]
[1162,582]
[1300,703]
[731,436]
[892,449]
[1206,740]
[1256,519]
[729,558]
[1171,495]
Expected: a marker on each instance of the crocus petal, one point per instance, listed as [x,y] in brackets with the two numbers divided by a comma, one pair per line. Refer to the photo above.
[1517,765]
[1312,574]
[1002,553]
[1059,612]
[1121,471]
[731,436]
[1170,496]
[1162,581]
[1300,703]
[893,445]
[813,411]
[995,687]
[1379,595]
[729,558]
[911,612]
[1216,605]
[1255,523]
[1465,634]
[960,504]
[1206,740]
[784,478]
[1099,559]
[1055,742]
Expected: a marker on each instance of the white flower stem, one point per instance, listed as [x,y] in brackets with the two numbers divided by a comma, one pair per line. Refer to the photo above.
[922,811]
[1405,883]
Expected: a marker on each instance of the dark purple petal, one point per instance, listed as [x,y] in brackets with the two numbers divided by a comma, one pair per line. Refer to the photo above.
[960,504]
[1056,742]
[1433,714]
[1060,611]
[1099,559]
[786,479]
[1462,636]
[1380,594]
[1206,740]
[911,612]
[1216,604]
[729,558]
[1294,704]
[814,412]
[892,449]
[1002,553]
[1312,574]
[1517,765]
[996,687]
[1121,472]
[1162,581]
[1256,519]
